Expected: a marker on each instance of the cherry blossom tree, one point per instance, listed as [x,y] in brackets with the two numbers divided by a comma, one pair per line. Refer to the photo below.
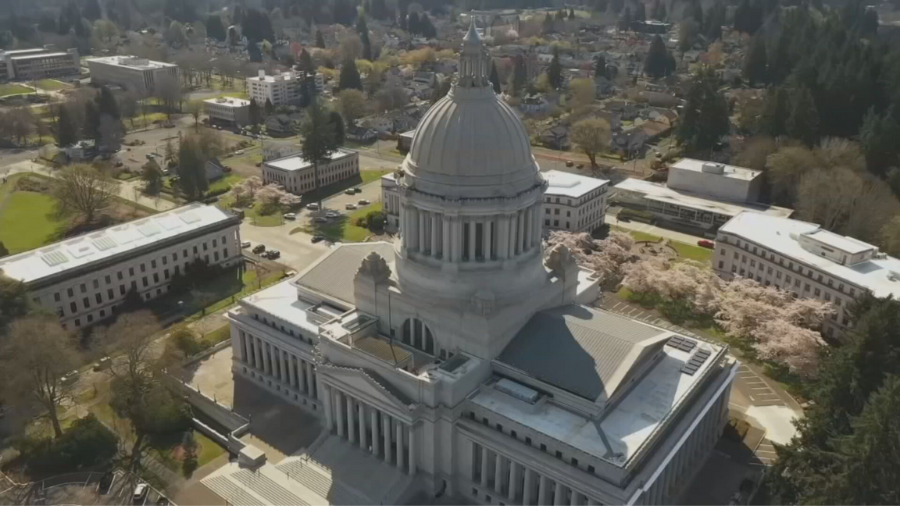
[606,257]
[245,191]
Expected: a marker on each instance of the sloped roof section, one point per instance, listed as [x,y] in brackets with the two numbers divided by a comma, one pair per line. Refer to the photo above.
[332,276]
[582,350]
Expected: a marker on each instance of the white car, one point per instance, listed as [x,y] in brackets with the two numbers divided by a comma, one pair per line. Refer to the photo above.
[290,216]
[140,492]
[363,202]
[350,207]
[332,214]
[245,244]
[313,206]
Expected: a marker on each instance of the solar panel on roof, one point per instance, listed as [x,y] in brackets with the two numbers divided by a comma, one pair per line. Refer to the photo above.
[55,258]
[189,217]
[686,346]
[674,341]
[148,229]
[169,223]
[104,243]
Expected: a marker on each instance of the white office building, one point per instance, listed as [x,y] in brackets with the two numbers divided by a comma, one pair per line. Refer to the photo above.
[84,279]
[130,72]
[38,63]
[807,260]
[297,175]
[279,89]
[458,361]
[574,203]
[228,111]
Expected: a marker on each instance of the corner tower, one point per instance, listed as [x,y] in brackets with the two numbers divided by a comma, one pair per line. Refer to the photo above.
[470,195]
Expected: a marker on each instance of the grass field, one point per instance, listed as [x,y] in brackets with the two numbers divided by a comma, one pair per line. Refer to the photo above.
[685,251]
[260,220]
[27,221]
[343,228]
[14,89]
[372,175]
[51,85]
[225,182]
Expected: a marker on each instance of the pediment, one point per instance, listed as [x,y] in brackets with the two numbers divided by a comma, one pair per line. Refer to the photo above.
[370,387]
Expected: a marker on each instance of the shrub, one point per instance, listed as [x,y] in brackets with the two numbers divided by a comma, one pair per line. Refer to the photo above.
[375,221]
[188,342]
[87,443]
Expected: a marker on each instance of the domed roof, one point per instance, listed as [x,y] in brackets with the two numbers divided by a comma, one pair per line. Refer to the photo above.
[471,138]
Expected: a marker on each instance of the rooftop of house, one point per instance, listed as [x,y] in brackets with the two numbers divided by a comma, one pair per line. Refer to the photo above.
[566,184]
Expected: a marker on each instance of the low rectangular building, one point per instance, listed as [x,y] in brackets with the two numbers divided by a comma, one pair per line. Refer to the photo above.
[229,111]
[297,175]
[574,203]
[38,63]
[137,74]
[84,279]
[807,260]
[720,181]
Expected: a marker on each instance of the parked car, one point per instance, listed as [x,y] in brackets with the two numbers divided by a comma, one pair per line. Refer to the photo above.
[239,152]
[140,493]
[332,214]
[317,238]
[313,206]
[103,363]
[106,482]
[579,166]
[245,244]
[357,190]
[119,164]
[272,254]
[363,202]
[706,243]
[569,163]
[260,248]
[350,207]
[350,191]
[70,377]
[290,216]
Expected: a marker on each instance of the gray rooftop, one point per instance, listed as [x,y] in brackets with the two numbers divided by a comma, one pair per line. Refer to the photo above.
[581,350]
[332,275]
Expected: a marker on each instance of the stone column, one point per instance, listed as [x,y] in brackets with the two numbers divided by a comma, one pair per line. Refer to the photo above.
[446,248]
[412,232]
[503,238]
[520,231]
[412,450]
[256,354]
[511,240]
[292,371]
[301,376]
[340,413]
[513,480]
[559,495]
[376,437]
[423,241]
[591,502]
[351,420]
[543,491]
[267,358]
[435,238]
[498,473]
[529,228]
[577,498]
[401,457]
[328,413]
[528,487]
[484,467]
[486,239]
[473,229]
[243,347]
[363,444]
[402,227]
[386,432]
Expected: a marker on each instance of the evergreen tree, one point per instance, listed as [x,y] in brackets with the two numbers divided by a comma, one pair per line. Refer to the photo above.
[705,119]
[495,78]
[255,115]
[426,29]
[318,139]
[363,29]
[344,12]
[338,123]
[599,66]
[748,17]
[714,21]
[214,28]
[269,108]
[305,62]
[66,130]
[803,121]
[192,169]
[91,127]
[755,62]
[658,62]
[412,23]
[697,14]
[775,112]
[91,10]
[554,71]
[106,103]
[625,19]
[519,78]
[655,11]
[349,77]
[3,251]
[640,11]
[878,139]
[547,25]
[320,40]
[571,13]
[560,16]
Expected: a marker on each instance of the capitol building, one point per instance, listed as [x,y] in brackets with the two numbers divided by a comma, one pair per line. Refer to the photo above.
[462,362]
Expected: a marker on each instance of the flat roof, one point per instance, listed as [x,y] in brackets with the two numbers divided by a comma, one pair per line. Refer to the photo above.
[778,234]
[567,184]
[848,245]
[131,62]
[110,242]
[281,301]
[228,102]
[297,162]
[13,52]
[41,55]
[631,422]
[661,193]
[284,76]
[730,171]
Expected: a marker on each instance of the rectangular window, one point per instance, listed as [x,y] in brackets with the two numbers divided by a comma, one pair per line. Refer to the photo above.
[119,275]
[99,298]
[86,302]
[56,297]
[215,242]
[73,307]
[528,440]
[165,260]
[108,279]
[205,246]
[83,288]
[131,271]
[195,250]
[144,281]
[122,289]
[143,268]
[817,292]
[70,292]
[90,318]
[153,264]
[156,277]
[558,454]
[96,284]
[166,273]
[110,294]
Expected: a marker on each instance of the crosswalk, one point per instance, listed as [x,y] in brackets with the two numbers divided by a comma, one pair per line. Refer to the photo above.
[759,391]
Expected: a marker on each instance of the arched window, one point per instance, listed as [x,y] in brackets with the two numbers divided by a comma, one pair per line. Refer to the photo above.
[418,335]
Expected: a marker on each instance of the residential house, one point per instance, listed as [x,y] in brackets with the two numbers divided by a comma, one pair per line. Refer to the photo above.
[556,137]
[360,134]
[215,170]
[280,125]
[628,143]
[534,103]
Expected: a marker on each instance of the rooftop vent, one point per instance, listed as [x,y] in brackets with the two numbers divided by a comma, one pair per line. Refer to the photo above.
[713,168]
[517,390]
[893,276]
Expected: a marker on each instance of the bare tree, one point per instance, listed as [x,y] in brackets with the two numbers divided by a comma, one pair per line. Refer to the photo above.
[352,105]
[128,105]
[391,97]
[84,190]
[195,108]
[21,121]
[37,354]
[592,136]
[168,90]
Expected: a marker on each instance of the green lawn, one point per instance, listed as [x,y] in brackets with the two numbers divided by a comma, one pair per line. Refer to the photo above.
[372,175]
[253,214]
[28,221]
[14,89]
[685,251]
[51,85]
[227,181]
[343,229]
[217,336]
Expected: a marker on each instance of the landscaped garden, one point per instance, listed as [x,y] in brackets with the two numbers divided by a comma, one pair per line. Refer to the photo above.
[354,227]
[14,89]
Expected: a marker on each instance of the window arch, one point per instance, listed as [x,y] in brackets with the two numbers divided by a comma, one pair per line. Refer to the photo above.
[418,335]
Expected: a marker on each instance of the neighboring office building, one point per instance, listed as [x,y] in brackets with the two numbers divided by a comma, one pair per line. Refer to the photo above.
[86,278]
[31,64]
[130,72]
[404,141]
[279,89]
[390,202]
[698,194]
[229,111]
[296,174]
[574,203]
[458,362]
[807,260]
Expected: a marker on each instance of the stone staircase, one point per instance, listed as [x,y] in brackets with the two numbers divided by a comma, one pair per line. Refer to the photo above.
[231,492]
[267,488]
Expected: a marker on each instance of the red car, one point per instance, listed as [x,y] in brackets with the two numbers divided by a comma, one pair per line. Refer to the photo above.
[706,243]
